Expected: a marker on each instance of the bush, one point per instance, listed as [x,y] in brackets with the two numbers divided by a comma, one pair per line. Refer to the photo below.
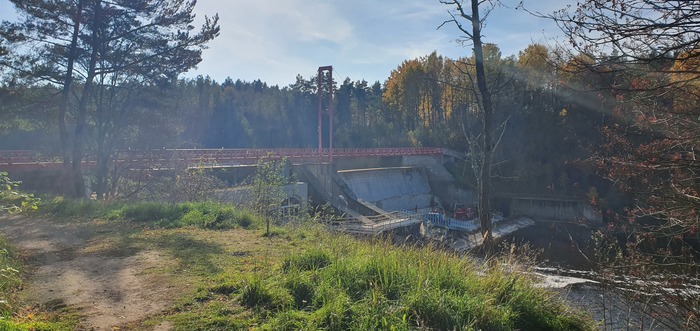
[13,201]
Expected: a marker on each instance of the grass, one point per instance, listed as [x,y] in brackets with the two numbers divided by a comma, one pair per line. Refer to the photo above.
[229,275]
[311,280]
[205,215]
[69,209]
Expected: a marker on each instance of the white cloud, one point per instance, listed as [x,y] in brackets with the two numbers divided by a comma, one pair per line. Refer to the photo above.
[276,40]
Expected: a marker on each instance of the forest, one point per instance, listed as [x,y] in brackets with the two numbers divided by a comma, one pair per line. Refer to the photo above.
[425,102]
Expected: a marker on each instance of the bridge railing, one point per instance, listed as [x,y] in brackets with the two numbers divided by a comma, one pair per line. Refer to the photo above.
[208,157]
[18,156]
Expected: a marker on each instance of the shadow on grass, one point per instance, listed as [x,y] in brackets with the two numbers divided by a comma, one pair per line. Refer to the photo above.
[192,254]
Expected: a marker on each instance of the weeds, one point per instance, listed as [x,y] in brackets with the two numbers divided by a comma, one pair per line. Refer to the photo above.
[263,295]
[9,278]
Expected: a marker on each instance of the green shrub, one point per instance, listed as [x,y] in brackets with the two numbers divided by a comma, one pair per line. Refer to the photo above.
[245,219]
[199,219]
[12,200]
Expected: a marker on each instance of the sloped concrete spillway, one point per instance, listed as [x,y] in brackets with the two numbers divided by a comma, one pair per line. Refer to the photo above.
[390,189]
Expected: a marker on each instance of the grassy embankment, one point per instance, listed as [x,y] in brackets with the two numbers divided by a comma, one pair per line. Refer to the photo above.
[229,276]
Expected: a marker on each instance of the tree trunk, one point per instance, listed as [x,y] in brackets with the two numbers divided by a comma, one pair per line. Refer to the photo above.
[64,103]
[81,119]
[484,180]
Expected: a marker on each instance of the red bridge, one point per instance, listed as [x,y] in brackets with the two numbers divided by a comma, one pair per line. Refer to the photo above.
[206,158]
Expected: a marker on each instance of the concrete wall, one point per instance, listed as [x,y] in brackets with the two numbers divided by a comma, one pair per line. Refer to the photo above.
[242,196]
[556,210]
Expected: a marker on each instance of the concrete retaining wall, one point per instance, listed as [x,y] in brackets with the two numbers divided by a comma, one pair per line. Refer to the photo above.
[242,196]
[557,210]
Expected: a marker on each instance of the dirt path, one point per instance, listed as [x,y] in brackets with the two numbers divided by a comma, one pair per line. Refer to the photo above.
[68,266]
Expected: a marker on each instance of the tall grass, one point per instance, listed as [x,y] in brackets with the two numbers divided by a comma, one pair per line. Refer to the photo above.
[341,284]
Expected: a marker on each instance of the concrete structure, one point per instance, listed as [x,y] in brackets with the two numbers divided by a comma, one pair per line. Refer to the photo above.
[555,209]
[390,189]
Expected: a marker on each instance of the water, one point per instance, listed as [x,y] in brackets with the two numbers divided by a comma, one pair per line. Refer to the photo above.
[617,304]
[560,245]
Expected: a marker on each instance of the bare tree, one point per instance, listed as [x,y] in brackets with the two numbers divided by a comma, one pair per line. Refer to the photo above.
[470,22]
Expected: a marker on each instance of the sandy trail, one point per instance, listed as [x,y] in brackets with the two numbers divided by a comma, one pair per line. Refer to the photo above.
[64,268]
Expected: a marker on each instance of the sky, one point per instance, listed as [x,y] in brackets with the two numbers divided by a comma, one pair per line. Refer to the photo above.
[362,39]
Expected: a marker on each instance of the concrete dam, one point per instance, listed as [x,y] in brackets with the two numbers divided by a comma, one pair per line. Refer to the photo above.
[375,190]
[411,191]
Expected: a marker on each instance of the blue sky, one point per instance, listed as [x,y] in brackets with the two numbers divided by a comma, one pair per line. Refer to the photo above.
[363,39]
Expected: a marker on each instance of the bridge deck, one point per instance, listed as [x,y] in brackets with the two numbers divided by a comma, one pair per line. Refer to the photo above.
[168,158]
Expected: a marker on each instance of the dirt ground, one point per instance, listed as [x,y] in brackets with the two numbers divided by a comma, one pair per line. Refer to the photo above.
[70,265]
